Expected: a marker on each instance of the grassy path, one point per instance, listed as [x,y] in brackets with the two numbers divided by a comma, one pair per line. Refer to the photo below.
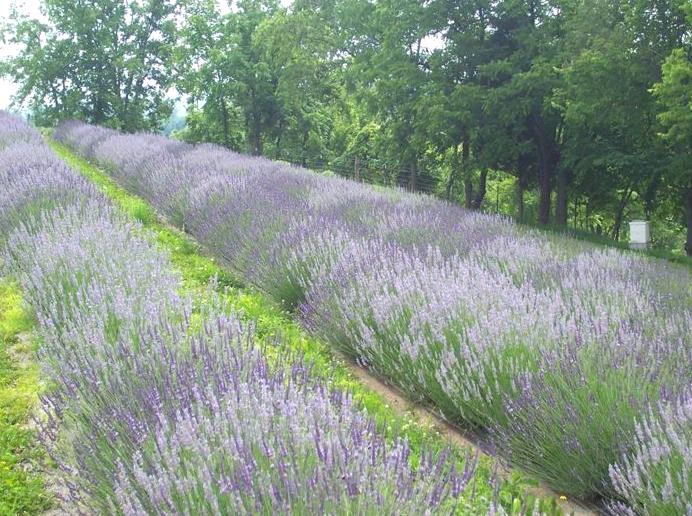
[283,336]
[22,488]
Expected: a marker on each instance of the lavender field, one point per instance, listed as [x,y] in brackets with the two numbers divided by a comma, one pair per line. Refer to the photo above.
[570,361]
[157,407]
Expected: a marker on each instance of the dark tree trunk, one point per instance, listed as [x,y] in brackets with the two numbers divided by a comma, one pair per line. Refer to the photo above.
[468,190]
[562,200]
[523,172]
[224,121]
[544,194]
[256,141]
[520,200]
[278,138]
[546,167]
[98,112]
[651,193]
[466,168]
[304,148]
[688,216]
[356,168]
[413,179]
[618,214]
[255,126]
[452,173]
[480,194]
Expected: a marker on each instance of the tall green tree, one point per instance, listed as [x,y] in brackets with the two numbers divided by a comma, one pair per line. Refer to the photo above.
[299,48]
[105,61]
[222,70]
[674,93]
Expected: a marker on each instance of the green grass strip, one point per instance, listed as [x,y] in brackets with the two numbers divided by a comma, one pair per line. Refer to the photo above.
[22,488]
[282,334]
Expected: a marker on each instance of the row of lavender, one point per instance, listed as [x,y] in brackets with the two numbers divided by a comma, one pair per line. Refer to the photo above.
[155,410]
[574,361]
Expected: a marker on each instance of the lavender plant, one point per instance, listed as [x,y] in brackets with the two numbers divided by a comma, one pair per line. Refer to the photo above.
[551,349]
[154,409]
[654,476]
[14,130]
[33,181]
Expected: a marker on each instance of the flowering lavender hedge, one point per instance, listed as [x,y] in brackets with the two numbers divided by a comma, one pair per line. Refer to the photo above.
[654,477]
[555,351]
[154,409]
[14,130]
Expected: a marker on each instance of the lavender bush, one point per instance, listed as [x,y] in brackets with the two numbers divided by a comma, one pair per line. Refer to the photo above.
[14,130]
[33,181]
[654,477]
[552,349]
[154,409]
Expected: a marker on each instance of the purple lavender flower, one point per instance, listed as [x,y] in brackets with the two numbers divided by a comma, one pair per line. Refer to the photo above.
[156,409]
[548,347]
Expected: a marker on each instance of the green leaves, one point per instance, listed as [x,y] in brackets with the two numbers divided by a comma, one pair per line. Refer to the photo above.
[105,61]
[674,93]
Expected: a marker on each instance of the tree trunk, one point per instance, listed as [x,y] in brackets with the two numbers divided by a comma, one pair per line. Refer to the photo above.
[688,209]
[468,190]
[304,149]
[413,179]
[520,200]
[544,195]
[562,201]
[618,214]
[468,184]
[255,126]
[356,168]
[523,173]
[651,193]
[546,165]
[257,143]
[480,194]
[452,173]
[226,128]
[278,138]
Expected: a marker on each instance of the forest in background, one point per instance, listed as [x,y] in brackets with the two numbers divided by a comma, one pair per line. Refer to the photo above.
[567,113]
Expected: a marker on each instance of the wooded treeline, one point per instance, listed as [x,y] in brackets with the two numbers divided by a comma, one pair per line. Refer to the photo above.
[565,112]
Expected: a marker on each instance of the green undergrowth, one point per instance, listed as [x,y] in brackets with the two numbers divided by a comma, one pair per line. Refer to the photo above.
[22,490]
[281,336]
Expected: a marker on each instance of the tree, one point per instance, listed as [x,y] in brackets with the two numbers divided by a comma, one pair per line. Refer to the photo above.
[550,97]
[299,50]
[674,94]
[612,58]
[222,70]
[388,74]
[105,61]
